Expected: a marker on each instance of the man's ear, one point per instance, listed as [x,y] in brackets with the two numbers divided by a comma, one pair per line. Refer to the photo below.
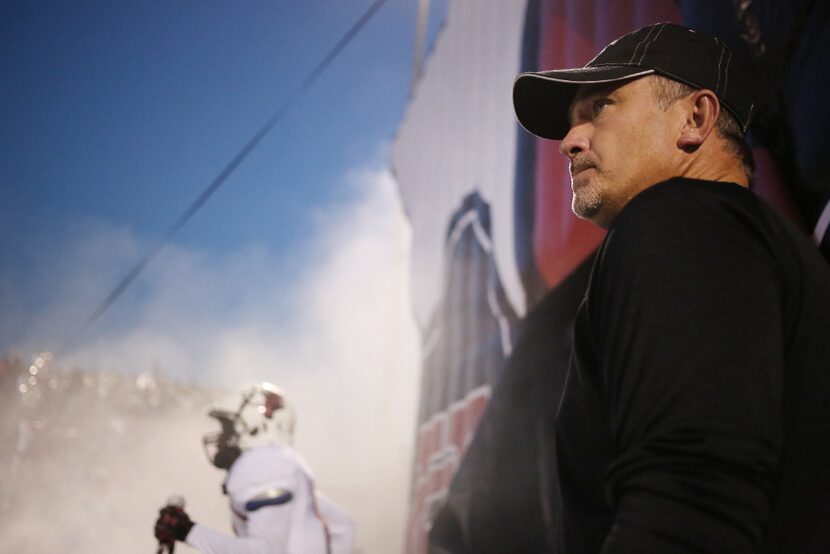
[704,109]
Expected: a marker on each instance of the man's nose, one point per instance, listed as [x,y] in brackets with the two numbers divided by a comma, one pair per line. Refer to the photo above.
[574,142]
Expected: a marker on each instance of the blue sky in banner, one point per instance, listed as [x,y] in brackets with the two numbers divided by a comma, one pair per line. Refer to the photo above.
[116,115]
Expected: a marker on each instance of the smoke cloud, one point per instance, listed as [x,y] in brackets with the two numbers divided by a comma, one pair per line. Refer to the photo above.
[333,329]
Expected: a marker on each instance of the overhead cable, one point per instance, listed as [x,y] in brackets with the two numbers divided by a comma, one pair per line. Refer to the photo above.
[232,165]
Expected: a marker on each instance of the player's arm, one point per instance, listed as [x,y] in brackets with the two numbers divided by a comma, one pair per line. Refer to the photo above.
[687,314]
[175,524]
[265,516]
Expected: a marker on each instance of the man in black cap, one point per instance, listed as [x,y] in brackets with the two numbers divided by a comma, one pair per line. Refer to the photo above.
[696,414]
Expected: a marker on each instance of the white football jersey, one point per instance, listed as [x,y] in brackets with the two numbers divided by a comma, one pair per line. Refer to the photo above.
[275,510]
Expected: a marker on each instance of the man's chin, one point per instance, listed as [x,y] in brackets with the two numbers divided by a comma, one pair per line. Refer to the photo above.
[585,208]
[593,213]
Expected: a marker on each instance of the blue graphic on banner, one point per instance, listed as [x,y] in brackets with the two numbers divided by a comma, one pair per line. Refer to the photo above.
[468,338]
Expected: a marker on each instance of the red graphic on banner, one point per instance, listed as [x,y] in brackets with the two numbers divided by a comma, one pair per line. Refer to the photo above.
[442,441]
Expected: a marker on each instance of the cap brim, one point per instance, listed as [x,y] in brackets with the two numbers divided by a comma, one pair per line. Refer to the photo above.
[542,99]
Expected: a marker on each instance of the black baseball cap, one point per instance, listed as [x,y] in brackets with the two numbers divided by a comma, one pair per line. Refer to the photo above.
[542,99]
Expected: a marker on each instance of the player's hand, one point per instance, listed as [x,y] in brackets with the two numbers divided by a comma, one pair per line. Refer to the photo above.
[172,524]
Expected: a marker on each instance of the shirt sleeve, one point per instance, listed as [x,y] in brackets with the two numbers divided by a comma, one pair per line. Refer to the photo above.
[685,309]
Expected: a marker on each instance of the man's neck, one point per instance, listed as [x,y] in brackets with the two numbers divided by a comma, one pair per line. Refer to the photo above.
[716,166]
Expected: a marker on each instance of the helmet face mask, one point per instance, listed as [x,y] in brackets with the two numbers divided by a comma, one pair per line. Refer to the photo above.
[222,447]
[263,417]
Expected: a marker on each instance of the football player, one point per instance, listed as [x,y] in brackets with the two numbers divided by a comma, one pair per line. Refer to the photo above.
[274,506]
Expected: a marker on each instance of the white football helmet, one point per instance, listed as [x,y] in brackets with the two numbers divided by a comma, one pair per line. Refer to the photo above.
[264,416]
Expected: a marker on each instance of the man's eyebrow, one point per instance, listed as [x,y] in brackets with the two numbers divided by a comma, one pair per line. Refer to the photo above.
[578,104]
[572,109]
[588,95]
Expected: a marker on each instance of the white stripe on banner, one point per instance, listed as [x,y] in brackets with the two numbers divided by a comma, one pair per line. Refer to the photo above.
[458,136]
[822,224]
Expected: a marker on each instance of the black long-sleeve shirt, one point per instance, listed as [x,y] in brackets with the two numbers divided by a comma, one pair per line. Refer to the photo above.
[696,414]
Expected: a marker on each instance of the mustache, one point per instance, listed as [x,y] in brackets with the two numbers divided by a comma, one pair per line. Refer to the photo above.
[579,164]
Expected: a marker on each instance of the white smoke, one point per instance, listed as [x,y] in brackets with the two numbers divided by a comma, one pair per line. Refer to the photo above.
[335,332]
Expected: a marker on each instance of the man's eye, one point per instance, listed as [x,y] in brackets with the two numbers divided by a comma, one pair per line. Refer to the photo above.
[599,104]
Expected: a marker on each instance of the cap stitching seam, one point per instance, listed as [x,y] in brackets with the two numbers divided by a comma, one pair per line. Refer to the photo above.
[726,73]
[647,42]
[720,61]
[659,30]
[634,55]
[610,64]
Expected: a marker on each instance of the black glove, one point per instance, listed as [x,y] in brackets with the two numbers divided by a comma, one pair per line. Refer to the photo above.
[173,524]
